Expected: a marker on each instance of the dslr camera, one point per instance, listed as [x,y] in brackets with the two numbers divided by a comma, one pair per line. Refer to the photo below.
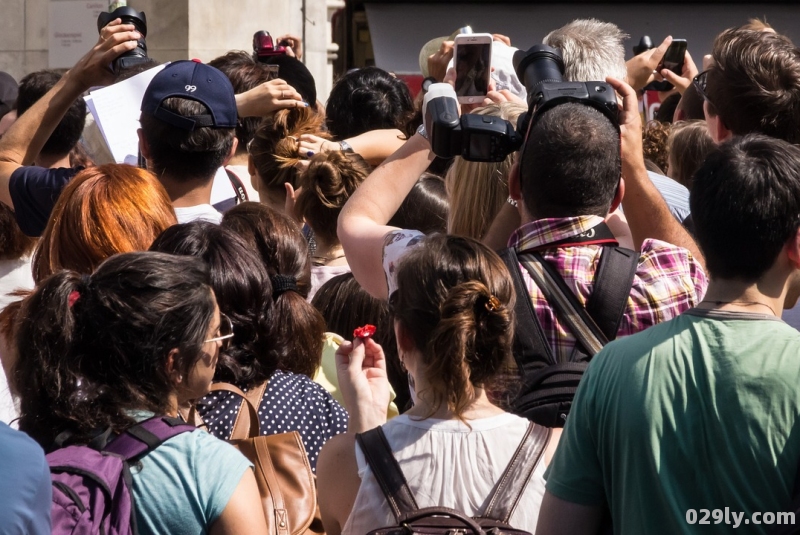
[481,138]
[128,16]
[264,48]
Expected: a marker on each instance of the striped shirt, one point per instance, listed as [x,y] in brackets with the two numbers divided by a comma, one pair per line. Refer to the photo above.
[675,195]
[668,279]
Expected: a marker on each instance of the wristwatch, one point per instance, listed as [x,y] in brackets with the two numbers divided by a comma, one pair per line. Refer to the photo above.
[344,146]
[421,131]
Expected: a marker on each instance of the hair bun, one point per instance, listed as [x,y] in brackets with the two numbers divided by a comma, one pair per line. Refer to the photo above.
[493,304]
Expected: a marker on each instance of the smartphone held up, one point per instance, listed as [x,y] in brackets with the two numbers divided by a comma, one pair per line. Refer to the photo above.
[674,57]
[473,63]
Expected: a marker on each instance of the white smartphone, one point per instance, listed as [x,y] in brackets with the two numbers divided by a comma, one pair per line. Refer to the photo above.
[473,62]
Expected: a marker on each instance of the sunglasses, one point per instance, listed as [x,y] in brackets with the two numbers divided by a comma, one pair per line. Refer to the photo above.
[700,82]
[225,332]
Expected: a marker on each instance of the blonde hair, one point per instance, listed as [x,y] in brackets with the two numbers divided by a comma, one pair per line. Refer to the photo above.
[477,190]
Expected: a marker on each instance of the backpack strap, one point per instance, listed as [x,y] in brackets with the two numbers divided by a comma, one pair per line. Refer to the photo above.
[558,295]
[387,472]
[612,288]
[508,492]
[147,436]
[529,339]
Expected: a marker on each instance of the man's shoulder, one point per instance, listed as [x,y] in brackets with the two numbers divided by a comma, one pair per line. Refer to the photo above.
[662,264]
[42,176]
[675,195]
[34,192]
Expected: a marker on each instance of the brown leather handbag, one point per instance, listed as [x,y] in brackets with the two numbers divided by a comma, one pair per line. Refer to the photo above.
[285,481]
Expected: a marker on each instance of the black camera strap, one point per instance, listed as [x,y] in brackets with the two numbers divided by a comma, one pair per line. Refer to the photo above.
[597,235]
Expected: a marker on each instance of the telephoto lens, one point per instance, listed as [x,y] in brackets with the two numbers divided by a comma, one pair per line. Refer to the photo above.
[128,16]
[539,64]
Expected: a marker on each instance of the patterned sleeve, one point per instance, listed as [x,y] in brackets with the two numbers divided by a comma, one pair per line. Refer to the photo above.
[668,282]
[396,245]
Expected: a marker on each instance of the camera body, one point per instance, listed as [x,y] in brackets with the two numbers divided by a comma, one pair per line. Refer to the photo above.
[128,16]
[264,47]
[481,138]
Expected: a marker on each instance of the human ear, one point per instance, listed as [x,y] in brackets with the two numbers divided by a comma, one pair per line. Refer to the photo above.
[404,341]
[174,374]
[618,196]
[232,153]
[144,148]
[793,249]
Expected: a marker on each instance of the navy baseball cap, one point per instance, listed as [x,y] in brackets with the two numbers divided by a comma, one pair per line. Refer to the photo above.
[195,81]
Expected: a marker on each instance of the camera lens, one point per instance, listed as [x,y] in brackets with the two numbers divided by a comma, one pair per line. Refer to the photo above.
[128,15]
[539,64]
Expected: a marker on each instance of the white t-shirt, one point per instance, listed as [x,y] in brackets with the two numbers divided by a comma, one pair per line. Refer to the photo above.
[14,275]
[447,464]
[204,212]
[322,274]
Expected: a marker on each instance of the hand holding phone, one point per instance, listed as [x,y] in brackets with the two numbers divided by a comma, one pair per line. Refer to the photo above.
[473,64]
[674,57]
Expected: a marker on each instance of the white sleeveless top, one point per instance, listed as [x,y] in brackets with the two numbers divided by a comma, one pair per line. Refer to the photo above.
[447,464]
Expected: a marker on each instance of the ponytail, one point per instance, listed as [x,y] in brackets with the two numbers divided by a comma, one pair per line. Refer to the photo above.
[45,374]
[275,145]
[472,333]
[93,349]
[455,298]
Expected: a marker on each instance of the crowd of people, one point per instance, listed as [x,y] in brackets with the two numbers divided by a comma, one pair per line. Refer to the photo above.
[585,337]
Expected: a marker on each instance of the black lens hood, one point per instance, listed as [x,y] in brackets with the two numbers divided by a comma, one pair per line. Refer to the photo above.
[128,16]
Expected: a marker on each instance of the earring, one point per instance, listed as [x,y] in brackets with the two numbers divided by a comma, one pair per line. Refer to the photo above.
[180,378]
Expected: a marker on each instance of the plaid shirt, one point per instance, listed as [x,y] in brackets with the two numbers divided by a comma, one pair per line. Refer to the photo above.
[667,281]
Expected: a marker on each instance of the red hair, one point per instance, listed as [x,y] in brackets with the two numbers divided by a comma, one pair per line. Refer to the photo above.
[103,211]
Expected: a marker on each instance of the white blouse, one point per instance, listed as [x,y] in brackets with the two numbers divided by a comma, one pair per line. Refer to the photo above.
[447,464]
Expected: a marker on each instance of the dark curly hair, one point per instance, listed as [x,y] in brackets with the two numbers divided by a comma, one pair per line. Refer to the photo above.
[95,348]
[244,294]
[655,143]
[369,99]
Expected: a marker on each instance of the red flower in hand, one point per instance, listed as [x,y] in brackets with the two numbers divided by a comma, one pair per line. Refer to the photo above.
[364,332]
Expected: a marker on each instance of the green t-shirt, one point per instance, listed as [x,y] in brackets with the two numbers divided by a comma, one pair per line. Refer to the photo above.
[700,412]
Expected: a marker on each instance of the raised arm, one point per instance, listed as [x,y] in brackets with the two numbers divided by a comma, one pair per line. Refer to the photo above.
[374,146]
[26,137]
[647,213]
[363,221]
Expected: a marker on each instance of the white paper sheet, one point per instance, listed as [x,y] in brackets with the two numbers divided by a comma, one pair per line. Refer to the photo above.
[116,111]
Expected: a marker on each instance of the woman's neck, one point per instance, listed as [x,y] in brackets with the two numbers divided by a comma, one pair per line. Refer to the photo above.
[328,253]
[479,407]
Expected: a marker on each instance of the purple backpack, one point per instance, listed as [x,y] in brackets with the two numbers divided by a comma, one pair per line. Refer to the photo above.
[92,488]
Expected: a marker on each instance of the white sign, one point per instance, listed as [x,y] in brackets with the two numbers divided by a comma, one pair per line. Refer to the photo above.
[72,30]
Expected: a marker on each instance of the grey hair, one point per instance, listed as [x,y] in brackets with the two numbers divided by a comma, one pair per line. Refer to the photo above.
[592,50]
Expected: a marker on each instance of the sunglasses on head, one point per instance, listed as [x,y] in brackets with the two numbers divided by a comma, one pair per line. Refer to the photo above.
[700,82]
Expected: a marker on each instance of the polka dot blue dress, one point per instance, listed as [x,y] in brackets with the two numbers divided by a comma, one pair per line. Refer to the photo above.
[291,402]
